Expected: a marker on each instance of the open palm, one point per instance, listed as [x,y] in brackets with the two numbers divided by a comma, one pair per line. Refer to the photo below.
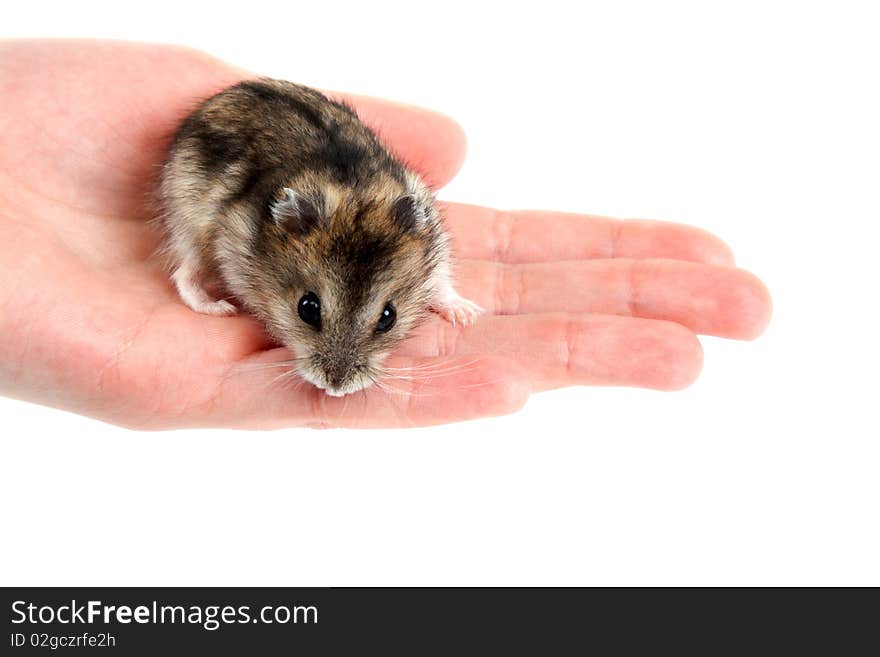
[89,321]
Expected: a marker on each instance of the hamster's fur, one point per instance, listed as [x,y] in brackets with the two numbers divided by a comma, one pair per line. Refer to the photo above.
[281,200]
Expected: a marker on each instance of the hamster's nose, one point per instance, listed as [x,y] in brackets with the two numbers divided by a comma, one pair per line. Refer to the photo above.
[339,371]
[335,384]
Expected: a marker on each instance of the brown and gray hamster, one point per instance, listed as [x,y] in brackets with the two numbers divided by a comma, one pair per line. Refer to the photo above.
[280,202]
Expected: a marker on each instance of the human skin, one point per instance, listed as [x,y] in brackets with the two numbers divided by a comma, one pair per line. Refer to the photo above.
[90,323]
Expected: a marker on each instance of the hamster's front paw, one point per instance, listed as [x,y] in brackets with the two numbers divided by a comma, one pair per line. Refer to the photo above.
[457,310]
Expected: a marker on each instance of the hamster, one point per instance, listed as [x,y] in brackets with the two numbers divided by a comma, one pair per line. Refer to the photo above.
[279,202]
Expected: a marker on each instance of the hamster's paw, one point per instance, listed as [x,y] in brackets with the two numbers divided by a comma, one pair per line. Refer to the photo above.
[194,295]
[457,310]
[220,308]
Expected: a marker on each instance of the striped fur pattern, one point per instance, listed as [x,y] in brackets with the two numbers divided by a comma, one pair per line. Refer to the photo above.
[272,191]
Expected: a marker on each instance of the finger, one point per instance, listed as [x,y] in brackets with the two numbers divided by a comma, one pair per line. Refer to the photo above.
[538,236]
[561,349]
[708,299]
[441,375]
[417,392]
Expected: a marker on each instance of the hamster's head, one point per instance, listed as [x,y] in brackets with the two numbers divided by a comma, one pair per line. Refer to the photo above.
[350,279]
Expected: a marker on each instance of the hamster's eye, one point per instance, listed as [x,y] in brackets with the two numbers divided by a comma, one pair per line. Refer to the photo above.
[310,309]
[386,319]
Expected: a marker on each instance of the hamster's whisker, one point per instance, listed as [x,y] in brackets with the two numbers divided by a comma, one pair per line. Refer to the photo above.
[459,387]
[383,385]
[345,401]
[376,376]
[285,377]
[292,385]
[386,384]
[433,367]
[247,367]
[420,368]
[428,375]
[401,416]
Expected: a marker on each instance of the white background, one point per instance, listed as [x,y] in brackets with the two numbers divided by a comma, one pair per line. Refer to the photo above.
[758,121]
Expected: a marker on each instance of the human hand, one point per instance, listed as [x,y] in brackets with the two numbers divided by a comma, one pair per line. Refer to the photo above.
[89,321]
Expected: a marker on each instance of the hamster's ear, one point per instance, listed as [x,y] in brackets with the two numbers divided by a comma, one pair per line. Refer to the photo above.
[410,212]
[416,206]
[296,212]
